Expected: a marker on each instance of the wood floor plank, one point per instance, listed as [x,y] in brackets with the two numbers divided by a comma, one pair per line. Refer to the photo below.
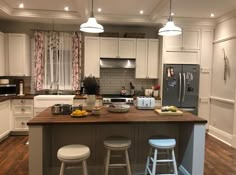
[220,159]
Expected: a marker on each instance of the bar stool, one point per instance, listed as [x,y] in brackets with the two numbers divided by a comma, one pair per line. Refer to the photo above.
[73,154]
[117,143]
[160,145]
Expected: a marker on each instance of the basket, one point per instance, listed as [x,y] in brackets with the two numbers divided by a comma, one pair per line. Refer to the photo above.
[134,35]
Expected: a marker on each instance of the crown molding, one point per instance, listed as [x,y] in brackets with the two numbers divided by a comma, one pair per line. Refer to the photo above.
[226,16]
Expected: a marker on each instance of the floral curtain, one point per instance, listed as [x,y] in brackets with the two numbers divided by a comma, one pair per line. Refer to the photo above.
[38,59]
[57,60]
[76,62]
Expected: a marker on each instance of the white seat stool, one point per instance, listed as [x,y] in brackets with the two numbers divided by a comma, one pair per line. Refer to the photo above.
[152,160]
[73,154]
[117,143]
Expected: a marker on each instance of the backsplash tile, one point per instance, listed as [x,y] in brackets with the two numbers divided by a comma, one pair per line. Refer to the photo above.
[112,80]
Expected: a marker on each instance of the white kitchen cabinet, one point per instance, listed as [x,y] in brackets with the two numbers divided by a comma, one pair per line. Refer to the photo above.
[147,58]
[117,47]
[188,40]
[2,55]
[5,119]
[18,54]
[22,112]
[91,57]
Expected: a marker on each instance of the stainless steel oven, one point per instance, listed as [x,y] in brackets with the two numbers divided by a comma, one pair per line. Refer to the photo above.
[8,89]
[117,98]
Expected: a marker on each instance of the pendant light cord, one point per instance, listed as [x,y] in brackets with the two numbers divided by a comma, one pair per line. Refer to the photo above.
[92,15]
[170,16]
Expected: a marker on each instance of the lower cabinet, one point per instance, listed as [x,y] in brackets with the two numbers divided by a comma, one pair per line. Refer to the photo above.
[5,119]
[22,112]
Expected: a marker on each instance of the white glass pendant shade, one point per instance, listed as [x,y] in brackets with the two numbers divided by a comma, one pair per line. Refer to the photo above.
[91,26]
[170,29]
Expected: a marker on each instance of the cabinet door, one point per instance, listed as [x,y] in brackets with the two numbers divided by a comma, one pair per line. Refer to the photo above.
[5,122]
[127,48]
[173,42]
[18,52]
[2,56]
[91,55]
[108,47]
[191,39]
[153,58]
[141,58]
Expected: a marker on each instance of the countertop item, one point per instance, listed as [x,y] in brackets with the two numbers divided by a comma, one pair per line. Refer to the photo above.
[4,81]
[145,102]
[133,116]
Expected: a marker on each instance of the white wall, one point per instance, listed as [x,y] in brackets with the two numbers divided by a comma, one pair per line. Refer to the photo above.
[222,105]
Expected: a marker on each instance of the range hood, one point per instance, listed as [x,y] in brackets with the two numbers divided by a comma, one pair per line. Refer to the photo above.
[127,63]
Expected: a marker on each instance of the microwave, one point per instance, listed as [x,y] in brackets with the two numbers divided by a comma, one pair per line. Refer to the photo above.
[8,89]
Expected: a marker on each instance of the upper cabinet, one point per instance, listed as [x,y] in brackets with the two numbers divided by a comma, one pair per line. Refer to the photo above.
[189,40]
[18,54]
[91,57]
[117,47]
[147,58]
[2,56]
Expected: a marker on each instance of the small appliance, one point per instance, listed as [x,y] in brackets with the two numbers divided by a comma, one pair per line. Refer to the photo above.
[145,103]
[8,89]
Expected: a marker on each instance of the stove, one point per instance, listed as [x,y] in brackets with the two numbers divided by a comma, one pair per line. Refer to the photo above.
[117,98]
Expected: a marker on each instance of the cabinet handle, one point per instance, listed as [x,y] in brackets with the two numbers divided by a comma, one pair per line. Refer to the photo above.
[22,110]
[22,101]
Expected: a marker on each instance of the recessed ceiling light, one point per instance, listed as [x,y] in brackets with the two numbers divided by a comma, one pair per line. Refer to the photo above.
[21,5]
[172,14]
[141,12]
[66,8]
[99,9]
[212,15]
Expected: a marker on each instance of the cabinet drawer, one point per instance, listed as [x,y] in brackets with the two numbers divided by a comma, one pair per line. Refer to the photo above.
[23,110]
[22,102]
[21,123]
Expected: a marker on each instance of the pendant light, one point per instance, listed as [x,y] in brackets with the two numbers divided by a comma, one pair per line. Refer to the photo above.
[170,29]
[91,26]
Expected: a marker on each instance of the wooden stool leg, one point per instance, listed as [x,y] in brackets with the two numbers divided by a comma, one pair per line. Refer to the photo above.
[84,166]
[154,162]
[107,162]
[127,162]
[148,161]
[174,162]
[62,168]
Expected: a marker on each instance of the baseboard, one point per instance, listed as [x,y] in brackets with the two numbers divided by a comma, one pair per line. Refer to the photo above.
[183,171]
[220,135]
[21,133]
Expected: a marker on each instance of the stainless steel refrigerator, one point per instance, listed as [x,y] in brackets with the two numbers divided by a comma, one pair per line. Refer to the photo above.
[181,86]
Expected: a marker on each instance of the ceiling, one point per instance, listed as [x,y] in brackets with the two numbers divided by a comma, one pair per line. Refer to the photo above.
[113,11]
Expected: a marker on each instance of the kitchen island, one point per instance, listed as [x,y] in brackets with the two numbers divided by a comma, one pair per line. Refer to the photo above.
[47,133]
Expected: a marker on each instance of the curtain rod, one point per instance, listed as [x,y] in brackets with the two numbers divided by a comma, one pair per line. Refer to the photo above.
[53,30]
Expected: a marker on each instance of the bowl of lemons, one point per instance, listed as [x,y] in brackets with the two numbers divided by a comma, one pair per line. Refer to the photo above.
[79,113]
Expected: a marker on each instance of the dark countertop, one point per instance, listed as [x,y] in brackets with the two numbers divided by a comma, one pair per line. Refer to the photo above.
[133,116]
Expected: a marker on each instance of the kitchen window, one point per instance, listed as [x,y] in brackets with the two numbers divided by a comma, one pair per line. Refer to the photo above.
[57,60]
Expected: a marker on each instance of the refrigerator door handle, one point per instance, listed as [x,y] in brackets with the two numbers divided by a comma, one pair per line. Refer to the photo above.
[184,88]
[180,86]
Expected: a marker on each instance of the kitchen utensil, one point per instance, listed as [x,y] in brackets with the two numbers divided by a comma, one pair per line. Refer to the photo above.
[178,112]
[148,92]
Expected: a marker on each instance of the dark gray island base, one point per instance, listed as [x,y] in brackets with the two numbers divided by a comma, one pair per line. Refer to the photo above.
[47,133]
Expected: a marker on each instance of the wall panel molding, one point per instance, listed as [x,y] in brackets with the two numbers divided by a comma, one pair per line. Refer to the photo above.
[223,100]
[224,39]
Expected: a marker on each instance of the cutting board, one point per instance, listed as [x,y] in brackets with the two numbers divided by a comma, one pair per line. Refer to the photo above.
[178,112]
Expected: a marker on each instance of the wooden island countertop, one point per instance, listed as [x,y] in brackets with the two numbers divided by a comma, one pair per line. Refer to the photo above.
[133,116]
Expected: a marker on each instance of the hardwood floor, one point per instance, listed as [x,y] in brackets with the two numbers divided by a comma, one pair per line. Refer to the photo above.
[220,159]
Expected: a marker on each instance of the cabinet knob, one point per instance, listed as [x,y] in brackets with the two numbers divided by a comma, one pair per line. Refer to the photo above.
[22,101]
[23,123]
[22,110]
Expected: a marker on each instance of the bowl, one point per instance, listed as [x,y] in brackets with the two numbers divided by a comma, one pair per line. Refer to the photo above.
[96,111]
[118,108]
